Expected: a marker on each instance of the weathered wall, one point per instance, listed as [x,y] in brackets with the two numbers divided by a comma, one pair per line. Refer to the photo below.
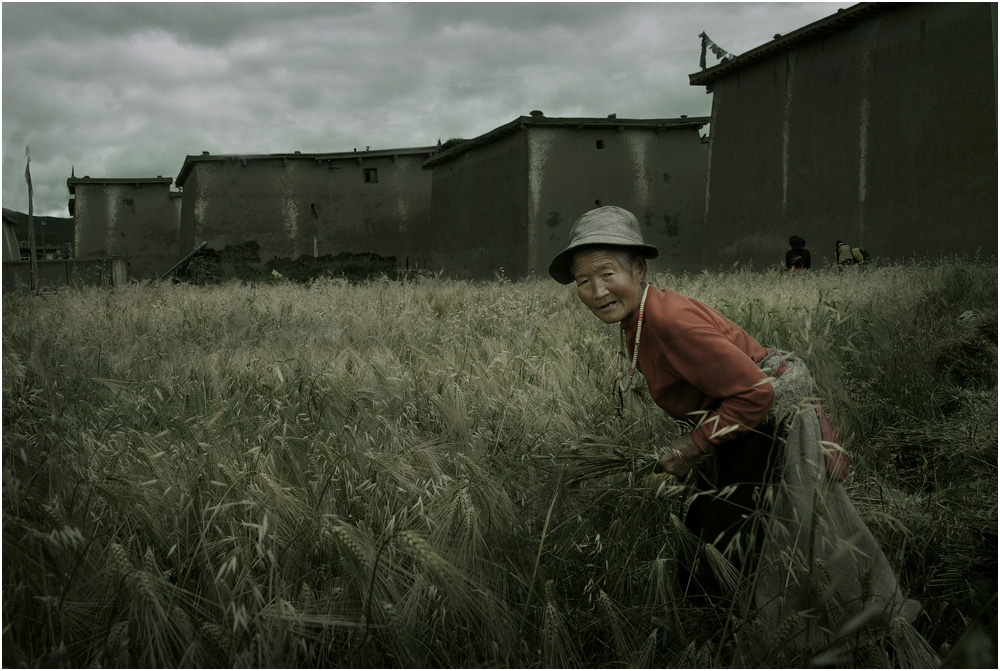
[511,203]
[883,135]
[658,176]
[146,235]
[294,207]
[479,215]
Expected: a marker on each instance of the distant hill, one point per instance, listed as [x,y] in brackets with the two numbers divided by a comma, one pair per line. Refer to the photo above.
[58,230]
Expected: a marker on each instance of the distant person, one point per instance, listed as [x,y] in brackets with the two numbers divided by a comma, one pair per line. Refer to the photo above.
[851,256]
[798,257]
[843,254]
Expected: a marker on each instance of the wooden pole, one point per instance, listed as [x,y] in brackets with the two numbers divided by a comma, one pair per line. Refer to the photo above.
[31,222]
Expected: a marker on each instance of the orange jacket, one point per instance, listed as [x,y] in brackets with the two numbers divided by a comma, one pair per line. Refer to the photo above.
[695,359]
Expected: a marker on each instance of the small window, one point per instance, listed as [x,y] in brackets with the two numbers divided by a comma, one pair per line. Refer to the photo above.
[371,175]
[128,205]
[600,144]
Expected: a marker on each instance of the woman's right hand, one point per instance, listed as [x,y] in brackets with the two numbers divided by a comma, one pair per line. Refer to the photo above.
[679,458]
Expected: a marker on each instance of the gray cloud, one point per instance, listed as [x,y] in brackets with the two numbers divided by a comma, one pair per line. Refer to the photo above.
[122,90]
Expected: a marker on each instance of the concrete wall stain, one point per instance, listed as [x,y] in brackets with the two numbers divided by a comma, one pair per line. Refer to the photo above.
[669,228]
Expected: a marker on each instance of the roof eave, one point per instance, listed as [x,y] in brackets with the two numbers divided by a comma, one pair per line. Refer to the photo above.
[843,19]
[190,161]
[585,122]
[73,182]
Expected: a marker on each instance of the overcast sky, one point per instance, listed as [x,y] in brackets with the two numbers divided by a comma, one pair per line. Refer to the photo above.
[128,90]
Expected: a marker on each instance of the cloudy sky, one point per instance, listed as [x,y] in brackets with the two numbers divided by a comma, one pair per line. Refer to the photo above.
[128,90]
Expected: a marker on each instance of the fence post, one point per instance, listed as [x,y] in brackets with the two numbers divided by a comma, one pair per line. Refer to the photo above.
[31,222]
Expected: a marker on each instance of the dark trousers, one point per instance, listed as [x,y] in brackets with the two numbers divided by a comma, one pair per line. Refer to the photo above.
[727,509]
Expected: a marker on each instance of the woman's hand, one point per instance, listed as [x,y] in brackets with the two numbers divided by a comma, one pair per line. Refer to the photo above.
[679,458]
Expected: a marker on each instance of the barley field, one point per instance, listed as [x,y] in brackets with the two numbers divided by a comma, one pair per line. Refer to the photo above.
[431,473]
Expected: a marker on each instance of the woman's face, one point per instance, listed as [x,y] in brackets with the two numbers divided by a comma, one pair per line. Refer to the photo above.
[610,289]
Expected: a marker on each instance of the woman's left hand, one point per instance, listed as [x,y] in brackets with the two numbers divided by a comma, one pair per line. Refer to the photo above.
[679,458]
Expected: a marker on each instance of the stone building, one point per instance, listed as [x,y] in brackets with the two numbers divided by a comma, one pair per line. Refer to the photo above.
[876,125]
[133,217]
[504,200]
[294,205]
[507,199]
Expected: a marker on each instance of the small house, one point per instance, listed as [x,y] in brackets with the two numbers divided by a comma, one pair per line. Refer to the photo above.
[136,218]
[307,204]
[507,199]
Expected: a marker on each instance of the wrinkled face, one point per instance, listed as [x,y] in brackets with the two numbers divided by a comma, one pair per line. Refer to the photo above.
[610,289]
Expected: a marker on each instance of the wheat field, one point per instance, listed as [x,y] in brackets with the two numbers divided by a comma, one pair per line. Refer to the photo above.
[431,473]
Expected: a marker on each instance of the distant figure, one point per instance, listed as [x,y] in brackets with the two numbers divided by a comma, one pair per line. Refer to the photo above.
[851,256]
[843,254]
[798,257]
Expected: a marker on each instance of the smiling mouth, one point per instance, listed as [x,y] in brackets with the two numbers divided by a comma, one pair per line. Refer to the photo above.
[608,305]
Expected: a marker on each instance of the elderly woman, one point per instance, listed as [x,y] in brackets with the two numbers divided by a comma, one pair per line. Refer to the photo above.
[752,427]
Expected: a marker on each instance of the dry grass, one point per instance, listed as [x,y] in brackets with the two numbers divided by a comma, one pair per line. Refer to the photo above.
[431,473]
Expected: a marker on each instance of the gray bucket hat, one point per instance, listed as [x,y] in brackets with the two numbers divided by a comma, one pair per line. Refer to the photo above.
[608,225]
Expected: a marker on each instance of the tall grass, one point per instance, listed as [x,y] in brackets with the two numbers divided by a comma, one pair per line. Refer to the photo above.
[416,473]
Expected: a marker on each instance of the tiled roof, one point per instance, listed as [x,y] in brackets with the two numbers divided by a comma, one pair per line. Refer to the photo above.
[190,161]
[843,19]
[562,122]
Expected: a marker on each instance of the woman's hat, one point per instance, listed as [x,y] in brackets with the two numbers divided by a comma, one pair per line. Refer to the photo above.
[608,225]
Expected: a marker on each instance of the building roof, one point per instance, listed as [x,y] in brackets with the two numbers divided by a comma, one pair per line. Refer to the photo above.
[537,119]
[843,19]
[72,182]
[190,161]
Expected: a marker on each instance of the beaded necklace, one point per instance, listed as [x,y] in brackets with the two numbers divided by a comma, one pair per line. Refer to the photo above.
[622,385]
